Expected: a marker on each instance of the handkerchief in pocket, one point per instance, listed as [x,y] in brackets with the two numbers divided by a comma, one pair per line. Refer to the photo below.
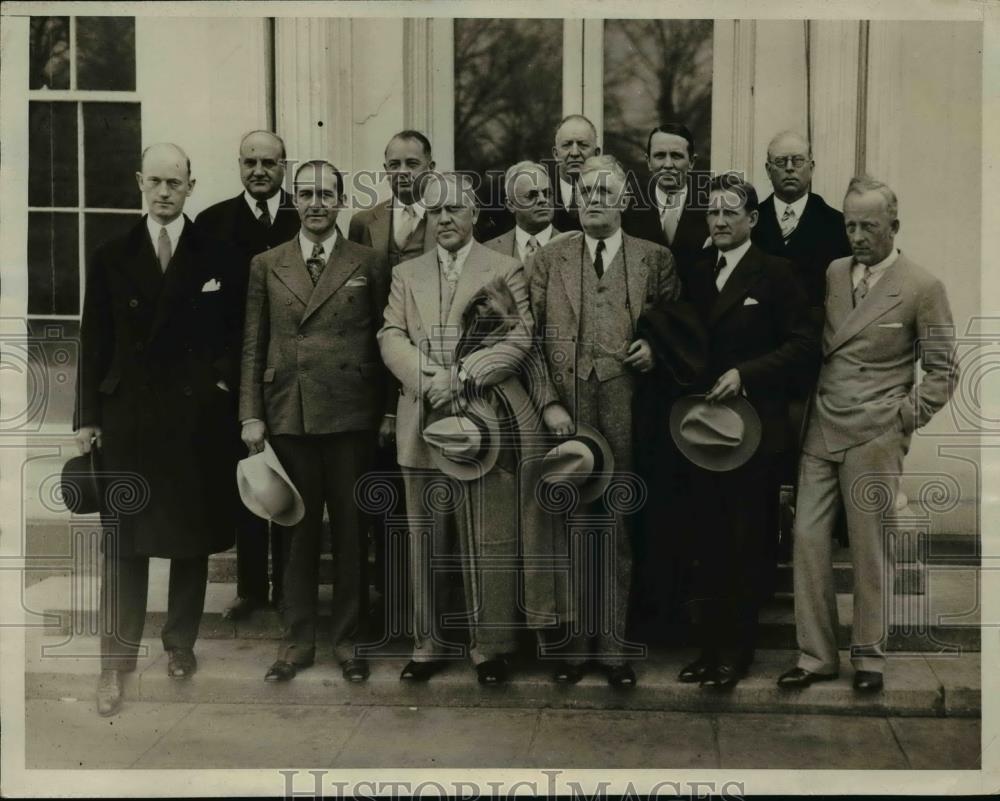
[750,302]
[211,286]
[890,325]
[360,280]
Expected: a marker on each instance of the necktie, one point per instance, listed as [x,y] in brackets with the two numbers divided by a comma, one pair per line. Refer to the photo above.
[788,222]
[316,263]
[599,258]
[163,249]
[720,265]
[449,269]
[530,248]
[861,290]
[668,221]
[407,222]
[265,214]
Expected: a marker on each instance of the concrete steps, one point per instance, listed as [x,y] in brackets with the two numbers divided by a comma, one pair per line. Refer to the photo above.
[232,671]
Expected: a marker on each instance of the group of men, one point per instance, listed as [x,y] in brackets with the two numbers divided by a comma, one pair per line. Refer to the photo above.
[504,378]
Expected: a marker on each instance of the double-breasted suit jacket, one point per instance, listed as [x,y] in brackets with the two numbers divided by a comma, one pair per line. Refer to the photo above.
[154,347]
[866,406]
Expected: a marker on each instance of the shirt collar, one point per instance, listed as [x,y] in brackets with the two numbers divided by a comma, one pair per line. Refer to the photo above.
[798,206]
[565,192]
[460,255]
[734,256]
[307,245]
[273,204]
[397,209]
[611,246]
[679,199]
[522,236]
[174,229]
[876,270]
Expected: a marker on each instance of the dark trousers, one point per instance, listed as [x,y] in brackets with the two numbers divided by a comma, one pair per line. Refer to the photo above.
[251,556]
[324,469]
[122,612]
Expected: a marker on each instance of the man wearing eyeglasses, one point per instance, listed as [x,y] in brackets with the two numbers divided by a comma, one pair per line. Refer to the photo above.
[258,219]
[529,199]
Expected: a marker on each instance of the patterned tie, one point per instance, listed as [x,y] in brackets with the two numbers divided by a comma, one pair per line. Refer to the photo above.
[265,214]
[599,259]
[449,269]
[788,222]
[316,263]
[861,290]
[405,228]
[163,249]
[530,248]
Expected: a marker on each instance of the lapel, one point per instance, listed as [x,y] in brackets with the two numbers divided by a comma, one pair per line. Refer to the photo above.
[430,233]
[291,270]
[179,276]
[142,265]
[425,288]
[475,274]
[637,272]
[570,262]
[339,267]
[882,297]
[739,283]
[839,301]
[803,229]
[381,226]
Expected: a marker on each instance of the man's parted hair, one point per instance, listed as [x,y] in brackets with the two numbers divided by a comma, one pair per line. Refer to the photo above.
[570,117]
[319,164]
[412,135]
[860,184]
[521,168]
[676,129]
[735,183]
[178,148]
[281,141]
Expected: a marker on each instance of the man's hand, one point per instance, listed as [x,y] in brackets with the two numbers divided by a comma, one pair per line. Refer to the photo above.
[437,386]
[387,431]
[557,420]
[86,437]
[253,434]
[640,356]
[728,386]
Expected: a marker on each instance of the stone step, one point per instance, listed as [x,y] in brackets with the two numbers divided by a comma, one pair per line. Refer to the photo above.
[944,619]
[232,671]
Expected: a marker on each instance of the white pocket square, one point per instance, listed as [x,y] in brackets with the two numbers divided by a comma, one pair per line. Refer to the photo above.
[361,280]
[750,302]
[890,325]
[211,286]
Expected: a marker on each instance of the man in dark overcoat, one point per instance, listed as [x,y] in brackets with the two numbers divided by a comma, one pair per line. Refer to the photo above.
[159,367]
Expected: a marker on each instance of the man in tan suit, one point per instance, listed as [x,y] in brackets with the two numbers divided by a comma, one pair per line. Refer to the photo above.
[529,199]
[313,385]
[588,290]
[426,301]
[881,309]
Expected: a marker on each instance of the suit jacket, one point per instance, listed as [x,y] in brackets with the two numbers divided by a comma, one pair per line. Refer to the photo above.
[642,220]
[371,228]
[817,240]
[867,381]
[507,245]
[154,347]
[556,285]
[757,324]
[310,360]
[413,337]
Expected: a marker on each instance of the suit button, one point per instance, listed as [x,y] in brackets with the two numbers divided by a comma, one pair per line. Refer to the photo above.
[187,391]
[288,303]
[861,369]
[343,366]
[569,370]
[133,303]
[301,336]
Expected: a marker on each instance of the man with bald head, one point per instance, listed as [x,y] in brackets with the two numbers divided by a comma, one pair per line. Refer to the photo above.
[575,142]
[159,366]
[529,200]
[258,219]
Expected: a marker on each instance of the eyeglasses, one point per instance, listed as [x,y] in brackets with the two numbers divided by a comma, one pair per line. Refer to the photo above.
[782,161]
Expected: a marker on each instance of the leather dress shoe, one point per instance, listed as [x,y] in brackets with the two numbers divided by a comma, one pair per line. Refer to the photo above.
[695,671]
[799,678]
[355,670]
[867,681]
[109,693]
[181,664]
[285,671]
[493,671]
[723,676]
[620,675]
[567,673]
[242,608]
[420,671]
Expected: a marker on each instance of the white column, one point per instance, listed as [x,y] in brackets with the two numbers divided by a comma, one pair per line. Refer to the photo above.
[834,46]
[572,73]
[429,81]
[14,78]
[885,100]
[593,74]
[733,68]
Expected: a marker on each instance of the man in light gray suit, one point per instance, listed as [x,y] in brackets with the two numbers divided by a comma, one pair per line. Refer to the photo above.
[881,311]
[529,199]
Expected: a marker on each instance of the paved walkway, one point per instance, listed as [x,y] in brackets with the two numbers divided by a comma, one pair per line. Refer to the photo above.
[69,734]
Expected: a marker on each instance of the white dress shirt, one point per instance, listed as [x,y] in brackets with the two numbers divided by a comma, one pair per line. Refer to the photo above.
[670,207]
[307,245]
[397,213]
[733,257]
[566,190]
[521,237]
[174,228]
[460,256]
[611,246]
[798,207]
[874,272]
[273,204]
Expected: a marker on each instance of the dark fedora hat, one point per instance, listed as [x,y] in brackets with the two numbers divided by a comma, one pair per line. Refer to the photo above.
[80,484]
[584,460]
[465,446]
[717,436]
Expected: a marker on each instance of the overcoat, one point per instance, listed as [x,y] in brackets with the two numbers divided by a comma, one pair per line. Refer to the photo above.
[155,346]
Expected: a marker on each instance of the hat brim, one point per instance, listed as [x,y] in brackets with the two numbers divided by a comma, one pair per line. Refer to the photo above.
[595,486]
[719,459]
[81,490]
[470,469]
[290,516]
